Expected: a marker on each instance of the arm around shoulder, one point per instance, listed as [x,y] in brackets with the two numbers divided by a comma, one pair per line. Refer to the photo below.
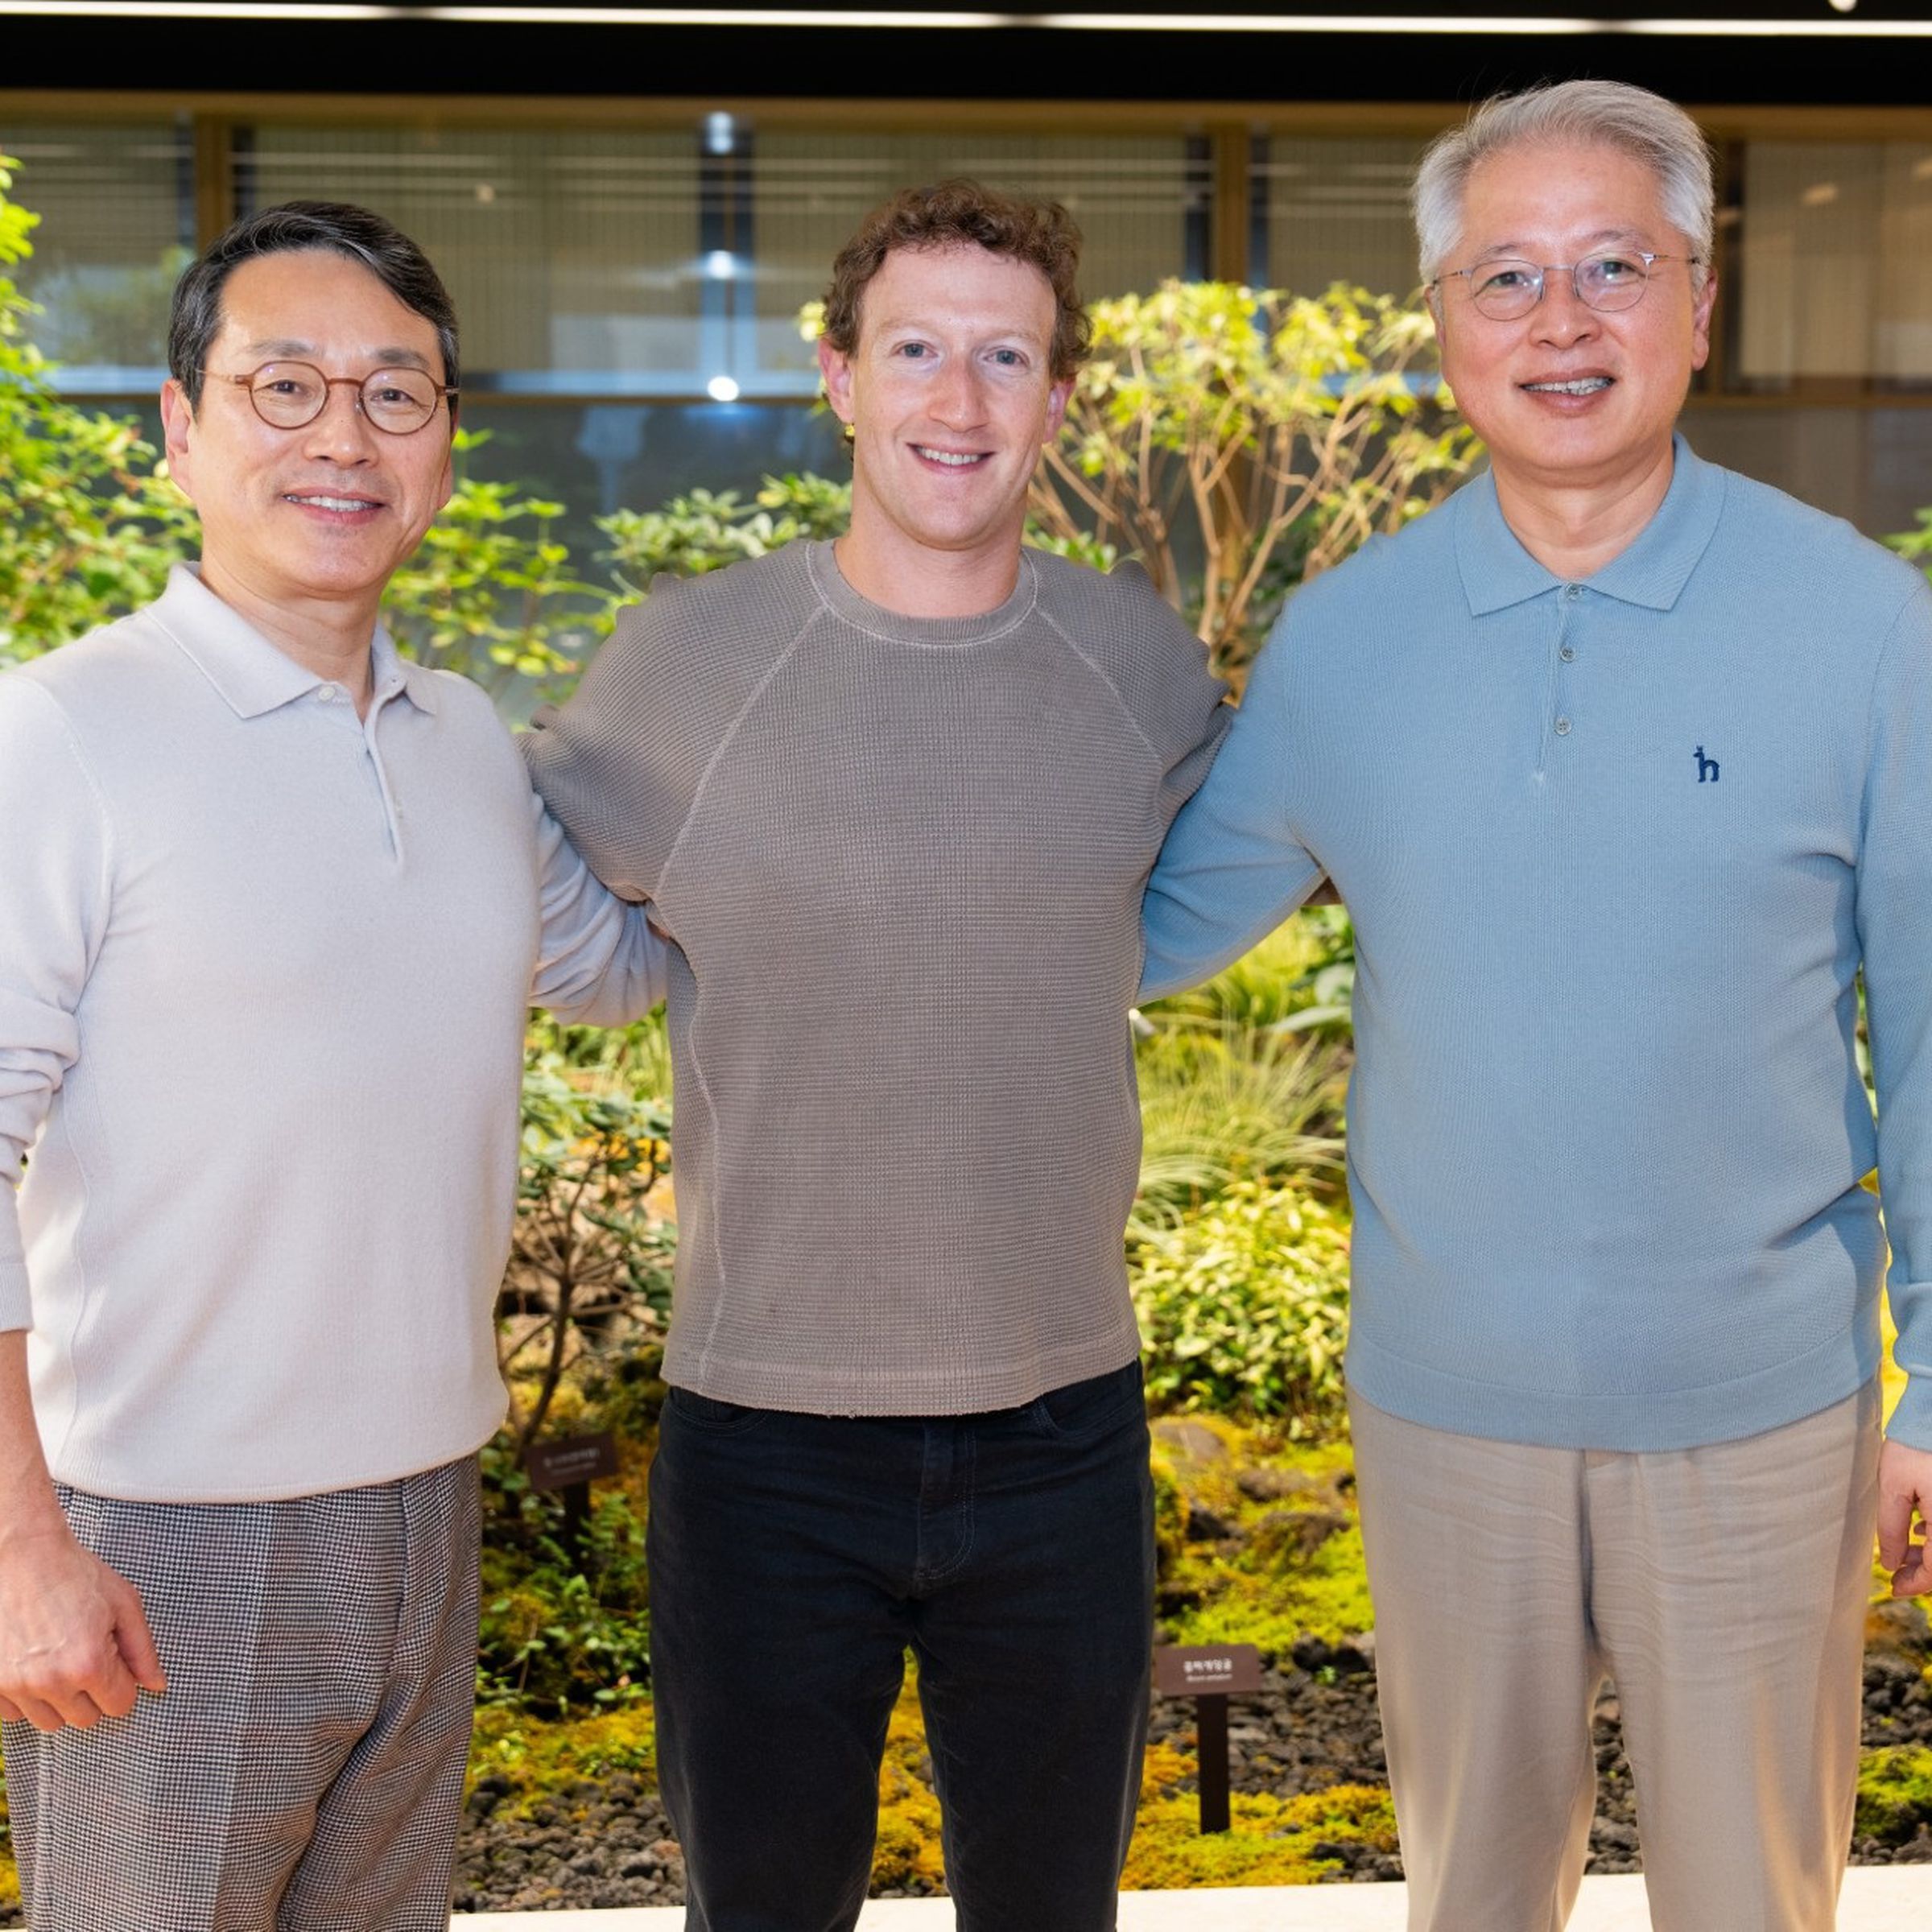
[599,960]
[607,763]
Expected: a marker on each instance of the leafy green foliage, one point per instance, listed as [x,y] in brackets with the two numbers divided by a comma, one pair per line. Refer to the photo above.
[704,530]
[1299,979]
[559,1633]
[1224,1105]
[87,530]
[489,592]
[1243,1307]
[1245,1077]
[1915,545]
[591,1257]
[1271,434]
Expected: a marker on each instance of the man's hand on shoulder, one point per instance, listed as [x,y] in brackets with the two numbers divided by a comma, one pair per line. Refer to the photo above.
[1904,1491]
[75,1646]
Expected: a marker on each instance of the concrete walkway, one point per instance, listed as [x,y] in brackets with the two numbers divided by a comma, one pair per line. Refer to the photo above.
[1877,1898]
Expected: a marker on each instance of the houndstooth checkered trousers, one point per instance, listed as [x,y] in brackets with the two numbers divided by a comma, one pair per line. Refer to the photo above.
[303,1772]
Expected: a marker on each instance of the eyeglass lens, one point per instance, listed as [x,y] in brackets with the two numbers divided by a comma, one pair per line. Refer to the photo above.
[1506,290]
[289,394]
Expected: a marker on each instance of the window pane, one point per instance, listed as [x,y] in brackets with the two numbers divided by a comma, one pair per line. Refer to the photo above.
[631,455]
[1836,268]
[1872,467]
[117,206]
[1132,197]
[571,255]
[1335,210]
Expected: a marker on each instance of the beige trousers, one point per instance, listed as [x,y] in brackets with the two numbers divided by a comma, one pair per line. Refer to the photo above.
[1724,1588]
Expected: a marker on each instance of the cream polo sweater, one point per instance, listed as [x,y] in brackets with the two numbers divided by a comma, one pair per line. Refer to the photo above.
[902,860]
[263,974]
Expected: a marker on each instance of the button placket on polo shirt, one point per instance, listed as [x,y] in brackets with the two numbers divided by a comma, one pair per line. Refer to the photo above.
[333,702]
[1558,721]
[372,750]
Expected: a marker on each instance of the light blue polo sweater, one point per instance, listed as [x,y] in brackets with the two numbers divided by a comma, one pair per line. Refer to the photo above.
[1615,851]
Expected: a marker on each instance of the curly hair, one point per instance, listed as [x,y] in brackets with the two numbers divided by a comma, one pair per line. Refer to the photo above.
[1040,234]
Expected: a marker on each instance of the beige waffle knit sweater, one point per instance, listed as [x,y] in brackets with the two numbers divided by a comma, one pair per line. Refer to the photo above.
[902,860]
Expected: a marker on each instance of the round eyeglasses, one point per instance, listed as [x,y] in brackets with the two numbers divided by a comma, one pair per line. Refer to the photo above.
[289,395]
[1504,290]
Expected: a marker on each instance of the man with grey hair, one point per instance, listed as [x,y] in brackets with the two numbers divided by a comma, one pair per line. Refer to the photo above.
[1619,761]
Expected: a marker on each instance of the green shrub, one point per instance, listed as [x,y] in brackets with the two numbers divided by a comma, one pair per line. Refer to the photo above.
[705,529]
[592,1253]
[559,1636]
[87,530]
[1300,979]
[490,593]
[1270,434]
[1231,1105]
[1245,1307]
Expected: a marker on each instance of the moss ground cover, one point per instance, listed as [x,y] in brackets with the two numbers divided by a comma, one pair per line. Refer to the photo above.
[528,1760]
[1270,1841]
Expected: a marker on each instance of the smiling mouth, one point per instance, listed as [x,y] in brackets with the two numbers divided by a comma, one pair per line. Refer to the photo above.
[1578,386]
[952,459]
[336,503]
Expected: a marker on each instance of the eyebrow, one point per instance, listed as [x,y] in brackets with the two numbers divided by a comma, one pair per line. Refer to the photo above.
[287,347]
[1519,250]
[1020,336]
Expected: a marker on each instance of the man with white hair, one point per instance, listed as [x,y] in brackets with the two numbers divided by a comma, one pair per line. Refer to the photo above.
[1622,764]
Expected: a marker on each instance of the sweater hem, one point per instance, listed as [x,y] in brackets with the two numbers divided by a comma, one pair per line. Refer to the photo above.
[948,1391]
[1649,1422]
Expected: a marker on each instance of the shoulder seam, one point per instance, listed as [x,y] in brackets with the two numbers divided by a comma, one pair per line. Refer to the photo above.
[724,744]
[1113,690]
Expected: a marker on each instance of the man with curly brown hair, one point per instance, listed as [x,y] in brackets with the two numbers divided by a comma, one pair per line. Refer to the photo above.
[895,799]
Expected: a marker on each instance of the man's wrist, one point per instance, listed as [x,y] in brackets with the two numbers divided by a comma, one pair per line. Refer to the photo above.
[26,1524]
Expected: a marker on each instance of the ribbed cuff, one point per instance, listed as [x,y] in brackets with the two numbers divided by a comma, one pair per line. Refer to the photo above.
[1911,1422]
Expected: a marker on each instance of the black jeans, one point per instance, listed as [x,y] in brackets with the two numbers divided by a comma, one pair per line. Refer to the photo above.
[794,1558]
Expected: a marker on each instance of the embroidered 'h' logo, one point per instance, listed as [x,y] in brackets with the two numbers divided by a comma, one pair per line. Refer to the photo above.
[1707,768]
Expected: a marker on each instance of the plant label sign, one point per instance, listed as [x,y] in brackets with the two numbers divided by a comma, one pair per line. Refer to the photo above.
[1204,1670]
[1210,1673]
[571,1459]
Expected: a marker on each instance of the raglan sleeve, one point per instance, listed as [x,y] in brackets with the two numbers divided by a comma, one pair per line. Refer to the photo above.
[609,764]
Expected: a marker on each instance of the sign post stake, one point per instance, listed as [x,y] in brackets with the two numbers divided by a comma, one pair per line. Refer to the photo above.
[568,1465]
[1209,1673]
[1210,1734]
[576,1520]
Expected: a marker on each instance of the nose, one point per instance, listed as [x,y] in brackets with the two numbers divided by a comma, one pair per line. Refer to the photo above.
[341,433]
[958,398]
[1563,317]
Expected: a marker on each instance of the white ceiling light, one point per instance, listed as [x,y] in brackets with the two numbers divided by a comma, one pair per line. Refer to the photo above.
[1407,24]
